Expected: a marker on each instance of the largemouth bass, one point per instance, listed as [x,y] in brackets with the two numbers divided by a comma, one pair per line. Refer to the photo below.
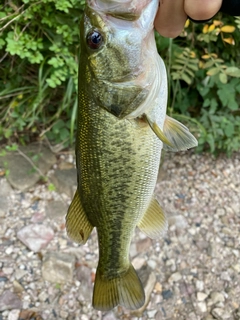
[122,125]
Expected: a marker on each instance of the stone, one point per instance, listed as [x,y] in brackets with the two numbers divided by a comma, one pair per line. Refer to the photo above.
[148,279]
[18,288]
[5,192]
[199,285]
[84,275]
[56,209]
[220,314]
[58,267]
[151,314]
[217,297]
[22,174]
[109,316]
[202,306]
[144,245]
[65,181]
[14,314]
[236,267]
[138,262]
[158,287]
[201,296]
[35,236]
[9,301]
[175,277]
[19,273]
[178,221]
[167,294]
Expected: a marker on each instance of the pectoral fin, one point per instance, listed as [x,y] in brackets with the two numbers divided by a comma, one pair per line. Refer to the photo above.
[154,222]
[178,135]
[157,130]
[77,224]
[175,136]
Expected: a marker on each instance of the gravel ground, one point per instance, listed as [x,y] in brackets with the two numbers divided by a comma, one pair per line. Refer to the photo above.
[195,268]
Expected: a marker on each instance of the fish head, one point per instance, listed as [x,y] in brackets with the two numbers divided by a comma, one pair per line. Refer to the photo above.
[116,42]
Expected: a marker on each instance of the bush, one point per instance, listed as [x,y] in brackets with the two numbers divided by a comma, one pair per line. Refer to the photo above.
[204,81]
[39,46]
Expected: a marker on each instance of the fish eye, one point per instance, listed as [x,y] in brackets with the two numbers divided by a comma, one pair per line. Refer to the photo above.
[94,39]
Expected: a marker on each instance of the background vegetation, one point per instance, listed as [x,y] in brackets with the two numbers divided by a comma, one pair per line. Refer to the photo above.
[39,46]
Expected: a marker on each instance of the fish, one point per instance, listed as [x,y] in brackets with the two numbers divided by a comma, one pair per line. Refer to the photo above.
[121,129]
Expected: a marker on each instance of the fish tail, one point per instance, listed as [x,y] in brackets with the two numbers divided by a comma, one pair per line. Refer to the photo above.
[125,290]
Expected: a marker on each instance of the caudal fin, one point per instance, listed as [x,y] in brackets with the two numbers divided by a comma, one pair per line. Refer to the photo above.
[125,290]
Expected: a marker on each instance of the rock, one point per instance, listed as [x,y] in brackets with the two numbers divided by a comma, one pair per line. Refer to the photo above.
[5,191]
[167,294]
[208,317]
[217,297]
[109,316]
[138,262]
[158,287]
[220,314]
[201,296]
[65,181]
[202,306]
[144,245]
[18,288]
[199,285]
[175,277]
[38,217]
[22,175]
[148,279]
[14,314]
[236,267]
[56,209]
[9,301]
[19,273]
[58,267]
[178,221]
[35,236]
[84,275]
[151,314]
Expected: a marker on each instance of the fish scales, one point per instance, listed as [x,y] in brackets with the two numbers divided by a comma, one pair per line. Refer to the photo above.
[122,125]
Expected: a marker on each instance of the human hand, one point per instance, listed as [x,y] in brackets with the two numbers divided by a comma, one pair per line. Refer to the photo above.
[172,14]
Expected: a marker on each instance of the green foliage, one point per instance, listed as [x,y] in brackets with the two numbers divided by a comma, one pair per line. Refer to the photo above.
[204,81]
[39,44]
[39,47]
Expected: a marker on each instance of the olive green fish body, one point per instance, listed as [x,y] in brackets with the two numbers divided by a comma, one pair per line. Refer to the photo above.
[121,116]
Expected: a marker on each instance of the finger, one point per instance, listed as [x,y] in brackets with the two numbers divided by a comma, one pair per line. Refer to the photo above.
[170,18]
[202,9]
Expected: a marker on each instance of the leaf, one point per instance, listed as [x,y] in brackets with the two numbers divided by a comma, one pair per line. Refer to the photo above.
[229,129]
[213,71]
[211,28]
[228,29]
[186,78]
[223,77]
[233,72]
[205,28]
[229,41]
[206,56]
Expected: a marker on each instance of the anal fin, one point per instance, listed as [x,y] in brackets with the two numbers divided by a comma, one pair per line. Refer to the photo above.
[77,223]
[154,222]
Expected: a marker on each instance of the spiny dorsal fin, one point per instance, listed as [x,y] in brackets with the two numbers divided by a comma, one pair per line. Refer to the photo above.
[77,224]
[154,222]
[178,135]
[125,290]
